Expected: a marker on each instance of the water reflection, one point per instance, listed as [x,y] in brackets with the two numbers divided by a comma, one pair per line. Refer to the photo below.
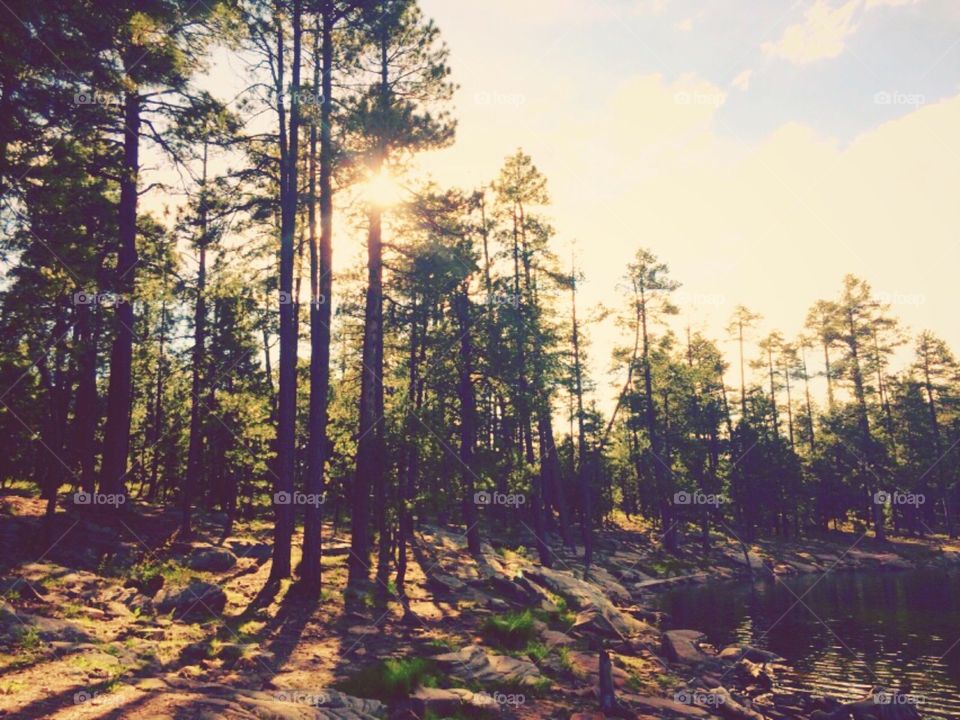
[843,632]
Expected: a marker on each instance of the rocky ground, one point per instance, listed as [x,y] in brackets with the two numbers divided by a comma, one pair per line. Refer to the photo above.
[116,619]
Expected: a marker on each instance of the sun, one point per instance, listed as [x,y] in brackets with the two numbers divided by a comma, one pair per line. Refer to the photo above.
[382,189]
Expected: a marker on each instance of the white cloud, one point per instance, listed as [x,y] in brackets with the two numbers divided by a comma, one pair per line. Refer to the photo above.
[685,25]
[824,30]
[742,81]
[821,35]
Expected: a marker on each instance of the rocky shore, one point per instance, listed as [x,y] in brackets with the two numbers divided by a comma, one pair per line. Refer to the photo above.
[109,625]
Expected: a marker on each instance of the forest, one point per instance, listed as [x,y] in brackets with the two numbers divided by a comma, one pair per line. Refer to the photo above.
[182,366]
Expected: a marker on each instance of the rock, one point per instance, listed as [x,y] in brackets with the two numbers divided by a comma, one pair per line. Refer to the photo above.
[736,652]
[587,666]
[683,646]
[198,598]
[364,630]
[216,700]
[249,548]
[149,587]
[554,638]
[609,584]
[661,583]
[598,613]
[211,559]
[47,628]
[756,673]
[448,583]
[18,587]
[118,609]
[498,604]
[588,716]
[756,562]
[664,707]
[473,664]
[445,702]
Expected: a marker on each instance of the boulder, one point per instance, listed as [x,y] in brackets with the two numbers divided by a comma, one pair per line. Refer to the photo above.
[197,599]
[248,548]
[211,559]
[683,646]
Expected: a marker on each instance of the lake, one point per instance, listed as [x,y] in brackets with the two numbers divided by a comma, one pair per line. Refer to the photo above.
[852,630]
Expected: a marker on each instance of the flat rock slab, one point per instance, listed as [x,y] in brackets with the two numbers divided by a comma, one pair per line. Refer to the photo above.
[452,701]
[659,583]
[665,707]
[554,638]
[683,646]
[47,628]
[599,614]
[474,664]
[305,704]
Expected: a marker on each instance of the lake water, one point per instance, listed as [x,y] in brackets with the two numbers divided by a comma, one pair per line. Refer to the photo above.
[850,632]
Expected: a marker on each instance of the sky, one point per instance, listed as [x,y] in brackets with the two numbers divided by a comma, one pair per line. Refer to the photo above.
[762,149]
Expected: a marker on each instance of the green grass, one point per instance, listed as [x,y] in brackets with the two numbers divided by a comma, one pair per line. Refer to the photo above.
[143,573]
[392,679]
[562,618]
[536,651]
[26,638]
[566,662]
[512,630]
[442,644]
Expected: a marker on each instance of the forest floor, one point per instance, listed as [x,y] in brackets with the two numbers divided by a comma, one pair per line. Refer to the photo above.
[114,618]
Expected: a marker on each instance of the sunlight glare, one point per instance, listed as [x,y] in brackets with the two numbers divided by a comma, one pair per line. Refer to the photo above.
[382,189]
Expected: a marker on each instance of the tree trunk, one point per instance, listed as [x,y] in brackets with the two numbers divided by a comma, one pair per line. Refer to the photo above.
[287,400]
[468,419]
[586,512]
[321,288]
[195,450]
[116,442]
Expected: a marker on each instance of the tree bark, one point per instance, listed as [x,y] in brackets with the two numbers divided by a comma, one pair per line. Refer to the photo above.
[119,392]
